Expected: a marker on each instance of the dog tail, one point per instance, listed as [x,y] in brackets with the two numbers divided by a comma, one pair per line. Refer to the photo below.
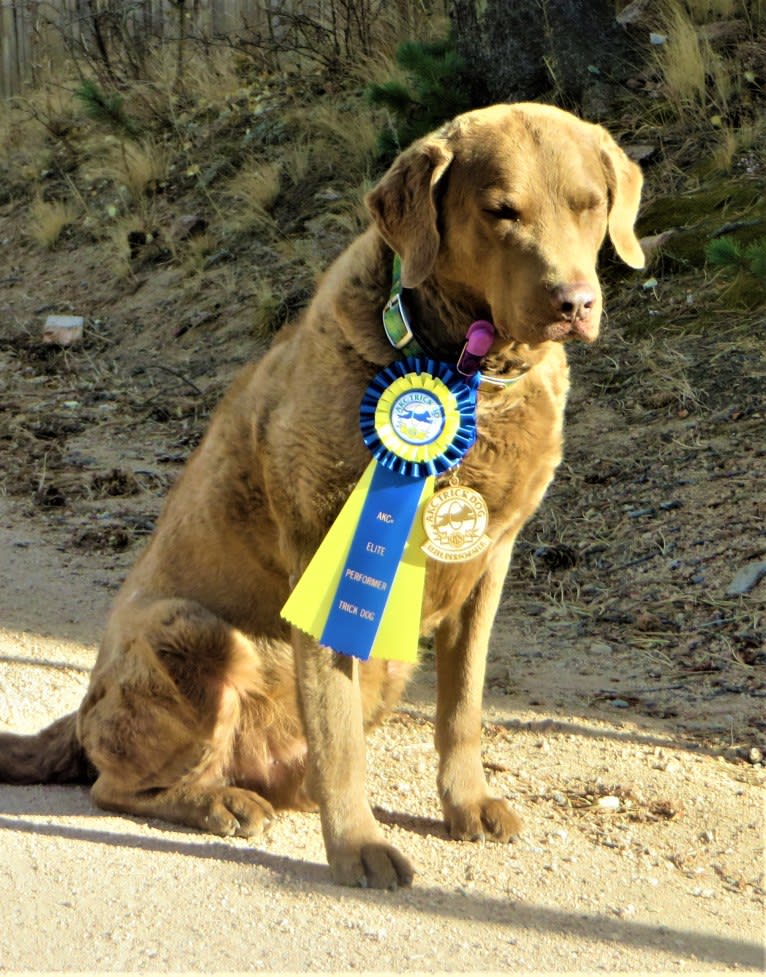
[52,756]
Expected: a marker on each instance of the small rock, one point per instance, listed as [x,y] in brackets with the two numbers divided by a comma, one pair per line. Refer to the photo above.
[634,13]
[639,151]
[670,504]
[63,330]
[619,703]
[755,755]
[609,803]
[746,578]
[187,226]
[328,195]
[703,893]
[653,243]
[600,648]
[629,910]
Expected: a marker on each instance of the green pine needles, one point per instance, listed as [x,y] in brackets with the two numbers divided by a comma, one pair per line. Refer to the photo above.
[726,252]
[435,91]
[106,108]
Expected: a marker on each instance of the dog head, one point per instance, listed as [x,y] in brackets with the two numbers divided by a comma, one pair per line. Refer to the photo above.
[509,205]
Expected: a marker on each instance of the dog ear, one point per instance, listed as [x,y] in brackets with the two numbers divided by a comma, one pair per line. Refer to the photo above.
[403,205]
[625,180]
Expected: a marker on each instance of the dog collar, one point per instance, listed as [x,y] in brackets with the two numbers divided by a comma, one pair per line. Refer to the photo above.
[400,334]
[396,322]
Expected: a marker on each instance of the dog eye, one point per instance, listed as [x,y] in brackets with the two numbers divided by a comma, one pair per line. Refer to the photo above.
[505,212]
[591,203]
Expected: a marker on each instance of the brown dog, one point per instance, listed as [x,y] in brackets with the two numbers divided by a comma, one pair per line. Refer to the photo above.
[204,708]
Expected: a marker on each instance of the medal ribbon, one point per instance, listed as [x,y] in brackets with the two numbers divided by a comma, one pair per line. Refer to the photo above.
[362,593]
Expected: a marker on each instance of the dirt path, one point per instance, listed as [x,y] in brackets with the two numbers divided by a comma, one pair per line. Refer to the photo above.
[640,853]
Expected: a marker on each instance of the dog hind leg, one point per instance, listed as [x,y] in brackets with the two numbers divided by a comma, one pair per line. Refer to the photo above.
[160,720]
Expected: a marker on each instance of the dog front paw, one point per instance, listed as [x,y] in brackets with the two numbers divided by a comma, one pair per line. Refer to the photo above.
[491,817]
[231,811]
[371,866]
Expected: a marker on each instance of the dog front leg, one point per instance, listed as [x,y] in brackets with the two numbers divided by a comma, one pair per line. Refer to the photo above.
[332,714]
[462,640]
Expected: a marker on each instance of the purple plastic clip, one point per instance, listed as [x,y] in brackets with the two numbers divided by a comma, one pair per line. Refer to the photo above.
[478,341]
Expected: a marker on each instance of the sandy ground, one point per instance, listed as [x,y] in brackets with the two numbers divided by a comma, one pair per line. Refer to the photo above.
[664,876]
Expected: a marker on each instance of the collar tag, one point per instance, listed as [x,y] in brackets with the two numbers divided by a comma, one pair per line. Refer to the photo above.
[396,322]
[478,341]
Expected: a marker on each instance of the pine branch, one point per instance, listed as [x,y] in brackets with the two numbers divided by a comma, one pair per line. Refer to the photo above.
[106,108]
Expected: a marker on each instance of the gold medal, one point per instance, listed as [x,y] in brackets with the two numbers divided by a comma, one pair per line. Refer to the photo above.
[454,521]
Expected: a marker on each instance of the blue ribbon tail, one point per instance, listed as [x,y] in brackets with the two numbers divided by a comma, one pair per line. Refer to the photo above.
[373,558]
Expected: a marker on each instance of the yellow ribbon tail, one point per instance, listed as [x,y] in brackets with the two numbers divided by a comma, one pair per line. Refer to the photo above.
[309,604]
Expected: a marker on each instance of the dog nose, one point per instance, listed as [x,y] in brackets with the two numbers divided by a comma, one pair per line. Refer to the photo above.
[574,302]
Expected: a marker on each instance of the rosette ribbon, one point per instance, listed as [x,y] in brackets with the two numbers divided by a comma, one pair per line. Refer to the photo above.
[362,593]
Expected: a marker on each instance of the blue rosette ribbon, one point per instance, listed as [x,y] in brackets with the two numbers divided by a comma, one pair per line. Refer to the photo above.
[362,593]
[418,417]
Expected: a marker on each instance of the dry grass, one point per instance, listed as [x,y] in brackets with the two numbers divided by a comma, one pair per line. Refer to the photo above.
[207,80]
[703,11]
[195,252]
[723,156]
[254,191]
[116,242]
[349,215]
[700,83]
[267,304]
[378,69]
[681,61]
[7,128]
[211,78]
[135,170]
[49,219]
[305,253]
[663,367]
[24,142]
[52,106]
[142,167]
[297,159]
[734,142]
[343,135]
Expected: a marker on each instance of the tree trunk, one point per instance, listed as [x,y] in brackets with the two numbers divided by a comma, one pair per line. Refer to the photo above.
[570,51]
